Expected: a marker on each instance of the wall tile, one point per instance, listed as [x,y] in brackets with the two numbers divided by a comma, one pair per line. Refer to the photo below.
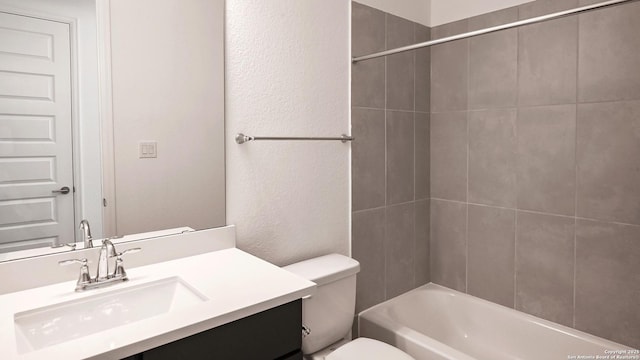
[491,254]
[609,161]
[547,62]
[546,159]
[609,56]
[421,252]
[450,29]
[608,281]
[569,160]
[368,248]
[545,266]
[400,67]
[400,157]
[368,83]
[492,157]
[448,244]
[385,95]
[367,29]
[493,62]
[368,158]
[449,156]
[400,245]
[449,83]
[400,32]
[423,70]
[588,2]
[368,77]
[544,7]
[421,134]
[493,19]
[400,84]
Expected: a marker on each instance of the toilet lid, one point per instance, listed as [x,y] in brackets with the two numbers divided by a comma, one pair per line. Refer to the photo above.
[364,348]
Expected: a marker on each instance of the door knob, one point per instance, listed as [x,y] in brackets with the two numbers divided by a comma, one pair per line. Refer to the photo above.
[63,190]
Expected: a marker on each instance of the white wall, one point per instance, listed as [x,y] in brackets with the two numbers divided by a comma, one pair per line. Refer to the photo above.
[446,11]
[415,10]
[84,12]
[168,86]
[288,65]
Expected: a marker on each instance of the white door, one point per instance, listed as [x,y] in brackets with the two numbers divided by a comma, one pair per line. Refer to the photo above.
[35,133]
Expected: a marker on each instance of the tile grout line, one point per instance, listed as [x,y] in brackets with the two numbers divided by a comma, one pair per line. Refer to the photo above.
[415,65]
[415,235]
[532,106]
[517,151]
[466,263]
[575,159]
[602,221]
[515,260]
[384,243]
[428,99]
[390,205]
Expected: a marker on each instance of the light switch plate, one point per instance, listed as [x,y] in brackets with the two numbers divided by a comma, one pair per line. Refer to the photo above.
[148,149]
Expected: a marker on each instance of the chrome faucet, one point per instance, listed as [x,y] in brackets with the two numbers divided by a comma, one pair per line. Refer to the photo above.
[86,234]
[107,250]
[103,277]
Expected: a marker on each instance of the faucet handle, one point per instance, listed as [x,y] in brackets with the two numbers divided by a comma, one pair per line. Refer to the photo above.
[70,245]
[84,279]
[129,251]
[119,272]
[84,262]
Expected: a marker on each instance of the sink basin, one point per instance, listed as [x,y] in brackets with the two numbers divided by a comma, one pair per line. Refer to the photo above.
[50,325]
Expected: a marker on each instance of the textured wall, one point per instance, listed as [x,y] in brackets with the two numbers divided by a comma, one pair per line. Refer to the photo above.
[535,179]
[287,67]
[390,164]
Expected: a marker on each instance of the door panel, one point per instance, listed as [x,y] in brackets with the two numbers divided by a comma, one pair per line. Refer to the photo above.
[15,128]
[35,132]
[27,170]
[39,210]
[29,86]
[26,43]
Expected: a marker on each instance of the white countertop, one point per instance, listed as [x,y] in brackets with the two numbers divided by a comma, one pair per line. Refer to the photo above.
[237,285]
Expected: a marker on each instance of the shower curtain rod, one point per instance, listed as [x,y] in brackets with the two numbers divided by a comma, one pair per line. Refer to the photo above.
[466,35]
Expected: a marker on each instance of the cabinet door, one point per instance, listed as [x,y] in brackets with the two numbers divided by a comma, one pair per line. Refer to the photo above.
[296,356]
[271,334]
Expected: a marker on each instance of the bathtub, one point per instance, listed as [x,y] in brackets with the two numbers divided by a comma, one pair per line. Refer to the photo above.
[433,322]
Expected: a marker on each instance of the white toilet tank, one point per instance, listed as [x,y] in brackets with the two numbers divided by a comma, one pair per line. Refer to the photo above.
[328,314]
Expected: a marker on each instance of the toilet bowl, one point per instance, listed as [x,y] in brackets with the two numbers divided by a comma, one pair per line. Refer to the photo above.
[370,349]
[328,314]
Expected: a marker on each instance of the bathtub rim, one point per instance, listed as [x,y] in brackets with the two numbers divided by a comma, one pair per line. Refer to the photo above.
[375,315]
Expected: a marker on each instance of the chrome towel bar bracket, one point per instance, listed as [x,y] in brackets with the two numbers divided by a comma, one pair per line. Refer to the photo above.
[242,138]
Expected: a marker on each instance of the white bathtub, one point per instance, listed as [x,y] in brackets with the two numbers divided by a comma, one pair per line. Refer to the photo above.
[433,322]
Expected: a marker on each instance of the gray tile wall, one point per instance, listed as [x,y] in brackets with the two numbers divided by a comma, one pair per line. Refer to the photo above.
[535,165]
[390,157]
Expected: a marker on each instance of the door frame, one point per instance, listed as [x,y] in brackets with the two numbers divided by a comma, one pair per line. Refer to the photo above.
[105,93]
[75,106]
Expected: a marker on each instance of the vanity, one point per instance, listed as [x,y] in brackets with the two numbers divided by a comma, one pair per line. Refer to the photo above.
[221,304]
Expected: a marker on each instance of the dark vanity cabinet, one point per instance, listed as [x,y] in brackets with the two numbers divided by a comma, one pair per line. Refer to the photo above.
[271,334]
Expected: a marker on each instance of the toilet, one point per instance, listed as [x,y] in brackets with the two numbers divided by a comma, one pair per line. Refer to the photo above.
[328,314]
